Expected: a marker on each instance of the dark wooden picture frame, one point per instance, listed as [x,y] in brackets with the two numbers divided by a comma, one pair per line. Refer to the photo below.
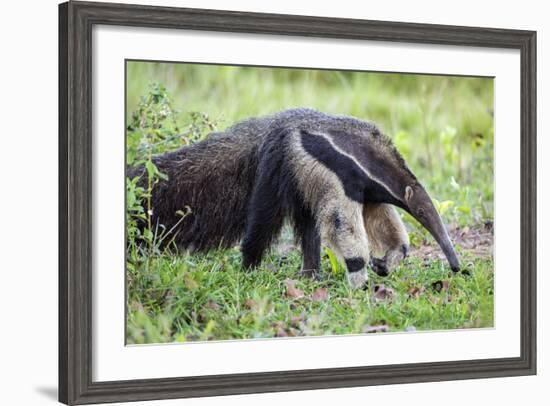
[76,20]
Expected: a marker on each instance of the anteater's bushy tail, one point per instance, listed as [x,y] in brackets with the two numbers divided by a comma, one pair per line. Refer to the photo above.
[214,178]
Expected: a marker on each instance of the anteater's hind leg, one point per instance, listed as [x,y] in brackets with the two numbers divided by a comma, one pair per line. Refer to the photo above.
[263,225]
[265,213]
[387,235]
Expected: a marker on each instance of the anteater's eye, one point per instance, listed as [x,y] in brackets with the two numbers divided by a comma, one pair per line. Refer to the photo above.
[421,212]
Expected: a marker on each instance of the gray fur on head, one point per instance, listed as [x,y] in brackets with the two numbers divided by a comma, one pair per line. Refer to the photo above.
[332,177]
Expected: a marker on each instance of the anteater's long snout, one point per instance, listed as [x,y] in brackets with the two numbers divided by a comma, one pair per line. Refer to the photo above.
[433,223]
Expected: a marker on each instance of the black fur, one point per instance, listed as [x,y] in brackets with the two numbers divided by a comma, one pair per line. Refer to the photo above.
[306,228]
[355,264]
[379,266]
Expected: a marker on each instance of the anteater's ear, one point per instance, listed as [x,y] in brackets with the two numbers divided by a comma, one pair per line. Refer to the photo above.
[408,193]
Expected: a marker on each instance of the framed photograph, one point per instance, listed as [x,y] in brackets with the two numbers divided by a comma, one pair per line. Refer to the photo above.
[259,202]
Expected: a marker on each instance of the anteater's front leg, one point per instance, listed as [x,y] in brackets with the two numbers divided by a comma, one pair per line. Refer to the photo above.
[343,230]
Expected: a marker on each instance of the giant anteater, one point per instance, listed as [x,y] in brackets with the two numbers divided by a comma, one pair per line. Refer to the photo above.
[337,180]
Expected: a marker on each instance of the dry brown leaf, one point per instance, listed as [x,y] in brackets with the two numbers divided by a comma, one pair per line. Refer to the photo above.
[383,328]
[251,304]
[320,295]
[381,292]
[212,305]
[292,332]
[292,291]
[280,332]
[279,327]
[416,291]
[136,306]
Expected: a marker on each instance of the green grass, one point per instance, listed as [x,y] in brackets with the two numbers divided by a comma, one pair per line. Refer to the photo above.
[210,297]
[443,126]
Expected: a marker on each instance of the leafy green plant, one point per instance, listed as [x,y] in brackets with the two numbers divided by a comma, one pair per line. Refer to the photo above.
[335,264]
[152,125]
[156,127]
[153,129]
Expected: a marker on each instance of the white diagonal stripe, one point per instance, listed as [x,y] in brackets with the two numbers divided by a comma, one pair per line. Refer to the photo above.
[365,170]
